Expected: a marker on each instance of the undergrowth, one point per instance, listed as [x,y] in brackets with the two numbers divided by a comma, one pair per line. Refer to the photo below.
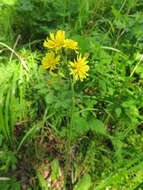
[56,133]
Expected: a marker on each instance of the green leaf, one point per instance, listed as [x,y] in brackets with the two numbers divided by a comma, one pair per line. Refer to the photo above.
[9,2]
[97,126]
[84,184]
[83,43]
[102,86]
[42,182]
[33,130]
[118,111]
[56,172]
[30,133]
[80,125]
[49,98]
[1,139]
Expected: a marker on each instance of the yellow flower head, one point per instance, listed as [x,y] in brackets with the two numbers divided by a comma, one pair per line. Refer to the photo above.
[50,61]
[80,68]
[70,44]
[57,42]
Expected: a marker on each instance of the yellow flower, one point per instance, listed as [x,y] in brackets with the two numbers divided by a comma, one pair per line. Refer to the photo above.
[80,68]
[50,61]
[56,42]
[70,44]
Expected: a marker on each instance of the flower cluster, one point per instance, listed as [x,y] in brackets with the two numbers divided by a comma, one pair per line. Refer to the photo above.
[78,67]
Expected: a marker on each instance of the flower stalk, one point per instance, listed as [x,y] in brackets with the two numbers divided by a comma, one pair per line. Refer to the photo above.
[69,135]
[65,66]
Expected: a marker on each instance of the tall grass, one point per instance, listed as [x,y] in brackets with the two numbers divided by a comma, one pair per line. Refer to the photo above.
[10,82]
[9,85]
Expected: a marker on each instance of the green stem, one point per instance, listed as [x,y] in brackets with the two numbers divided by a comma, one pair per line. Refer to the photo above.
[136,67]
[122,6]
[65,7]
[69,136]
[21,91]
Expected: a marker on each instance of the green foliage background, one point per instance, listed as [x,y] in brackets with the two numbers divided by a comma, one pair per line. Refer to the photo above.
[107,137]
